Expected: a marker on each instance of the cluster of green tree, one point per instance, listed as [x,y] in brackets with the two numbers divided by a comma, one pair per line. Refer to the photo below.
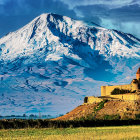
[18,124]
[24,116]
[117,91]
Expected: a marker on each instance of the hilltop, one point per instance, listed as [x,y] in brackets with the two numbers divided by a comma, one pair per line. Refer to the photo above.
[110,110]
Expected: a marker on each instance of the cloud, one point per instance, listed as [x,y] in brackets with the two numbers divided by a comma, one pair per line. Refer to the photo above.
[24,7]
[92,13]
[3,2]
[121,15]
[16,13]
[135,2]
[112,3]
[124,18]
[126,13]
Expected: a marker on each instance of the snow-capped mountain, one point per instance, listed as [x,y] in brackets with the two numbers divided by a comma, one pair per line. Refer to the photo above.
[50,64]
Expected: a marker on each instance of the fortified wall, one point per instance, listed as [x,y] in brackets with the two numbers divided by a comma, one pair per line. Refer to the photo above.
[134,86]
[126,97]
[131,92]
[92,99]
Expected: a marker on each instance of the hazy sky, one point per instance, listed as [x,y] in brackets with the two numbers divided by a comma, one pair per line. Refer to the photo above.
[122,15]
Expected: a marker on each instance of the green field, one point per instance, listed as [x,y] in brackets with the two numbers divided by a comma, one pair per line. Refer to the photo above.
[91,133]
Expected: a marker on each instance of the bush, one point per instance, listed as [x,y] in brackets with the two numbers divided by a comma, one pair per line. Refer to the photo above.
[100,105]
[84,118]
[111,117]
[17,124]
[137,116]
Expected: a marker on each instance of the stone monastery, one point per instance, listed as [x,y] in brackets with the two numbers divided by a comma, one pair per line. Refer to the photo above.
[129,92]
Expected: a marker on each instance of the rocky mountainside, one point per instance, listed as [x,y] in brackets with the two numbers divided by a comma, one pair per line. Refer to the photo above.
[53,62]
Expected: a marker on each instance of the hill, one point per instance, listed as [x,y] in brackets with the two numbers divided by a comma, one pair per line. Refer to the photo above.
[111,109]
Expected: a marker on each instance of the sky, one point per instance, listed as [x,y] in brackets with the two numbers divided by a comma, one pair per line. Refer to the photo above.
[123,15]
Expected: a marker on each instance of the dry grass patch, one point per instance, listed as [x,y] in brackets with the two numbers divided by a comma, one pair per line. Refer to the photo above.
[111,133]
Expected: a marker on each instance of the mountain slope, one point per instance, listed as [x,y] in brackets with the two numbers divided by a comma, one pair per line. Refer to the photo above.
[54,61]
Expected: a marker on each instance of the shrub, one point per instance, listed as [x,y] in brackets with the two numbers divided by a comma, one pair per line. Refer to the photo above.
[111,117]
[100,105]
[137,116]
[16,124]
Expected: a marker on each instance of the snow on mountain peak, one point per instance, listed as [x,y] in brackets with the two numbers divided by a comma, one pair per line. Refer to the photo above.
[58,35]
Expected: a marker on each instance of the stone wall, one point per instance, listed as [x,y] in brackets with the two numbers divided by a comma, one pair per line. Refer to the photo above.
[127,97]
[106,90]
[134,86]
[92,99]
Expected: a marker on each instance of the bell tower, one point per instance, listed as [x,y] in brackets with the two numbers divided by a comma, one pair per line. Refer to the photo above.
[138,74]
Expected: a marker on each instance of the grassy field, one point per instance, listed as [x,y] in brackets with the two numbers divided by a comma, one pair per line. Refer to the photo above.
[110,133]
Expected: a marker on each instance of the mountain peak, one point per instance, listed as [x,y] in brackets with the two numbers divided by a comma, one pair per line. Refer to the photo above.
[58,57]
